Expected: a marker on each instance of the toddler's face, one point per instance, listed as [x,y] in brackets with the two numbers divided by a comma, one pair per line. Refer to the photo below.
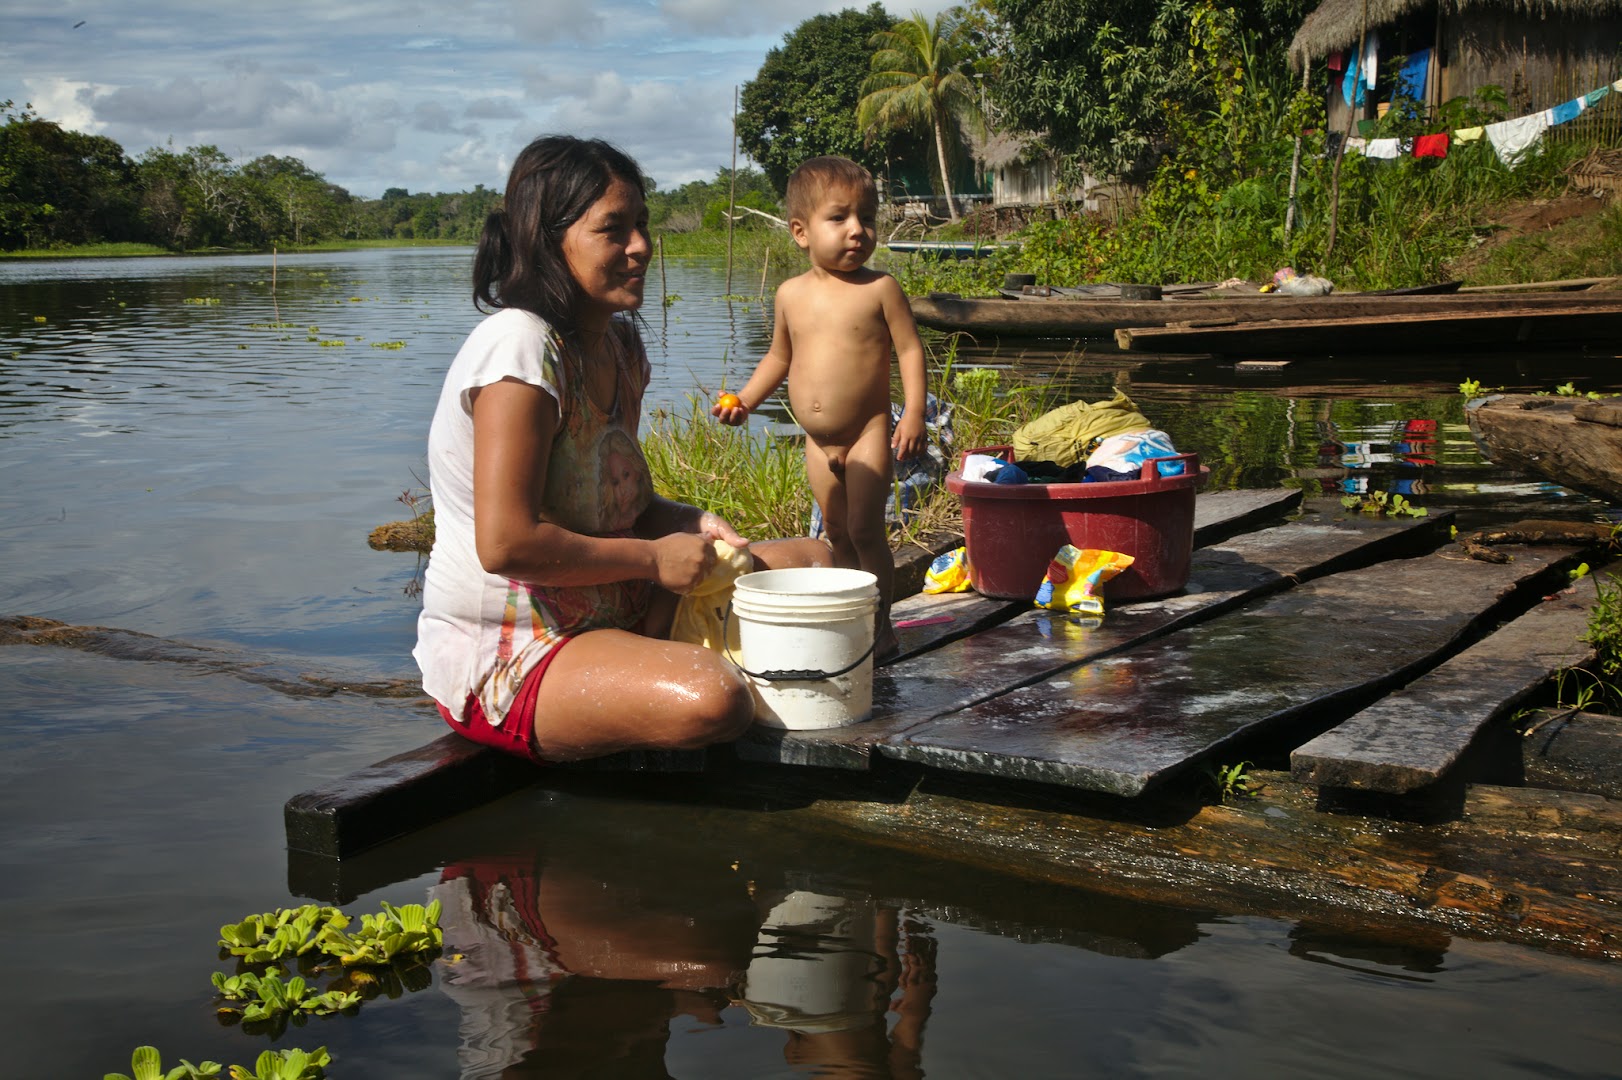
[842,232]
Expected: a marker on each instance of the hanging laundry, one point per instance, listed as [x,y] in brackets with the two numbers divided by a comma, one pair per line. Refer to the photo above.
[1430,145]
[1511,139]
[1360,73]
[1593,97]
[1337,60]
[1383,148]
[1470,134]
[1411,77]
[1567,111]
[1356,143]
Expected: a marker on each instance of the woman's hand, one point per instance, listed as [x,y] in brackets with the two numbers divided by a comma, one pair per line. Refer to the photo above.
[682,560]
[716,527]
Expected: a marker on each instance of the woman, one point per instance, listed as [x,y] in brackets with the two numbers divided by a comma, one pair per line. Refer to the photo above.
[549,589]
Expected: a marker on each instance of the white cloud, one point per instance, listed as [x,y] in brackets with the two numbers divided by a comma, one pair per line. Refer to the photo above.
[426,94]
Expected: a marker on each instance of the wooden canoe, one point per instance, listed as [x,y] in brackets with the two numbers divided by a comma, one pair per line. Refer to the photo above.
[1458,325]
[1093,316]
[1573,441]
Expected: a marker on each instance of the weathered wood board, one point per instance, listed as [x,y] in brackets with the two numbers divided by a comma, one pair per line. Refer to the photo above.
[1039,644]
[1134,718]
[1410,739]
[399,795]
[1569,750]
[1537,867]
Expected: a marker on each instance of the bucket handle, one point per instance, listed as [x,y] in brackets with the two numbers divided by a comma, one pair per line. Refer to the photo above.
[797,675]
[1151,468]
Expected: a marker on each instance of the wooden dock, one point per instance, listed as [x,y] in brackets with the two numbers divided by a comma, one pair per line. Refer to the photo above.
[1368,662]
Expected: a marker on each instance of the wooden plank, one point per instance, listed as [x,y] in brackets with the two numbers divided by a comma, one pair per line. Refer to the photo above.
[1568,750]
[1412,738]
[1133,719]
[1039,644]
[400,795]
[1542,435]
[1401,333]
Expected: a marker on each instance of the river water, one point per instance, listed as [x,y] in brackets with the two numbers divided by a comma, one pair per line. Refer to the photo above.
[196,449]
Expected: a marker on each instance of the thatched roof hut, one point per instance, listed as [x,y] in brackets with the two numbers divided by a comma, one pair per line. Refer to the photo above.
[1541,52]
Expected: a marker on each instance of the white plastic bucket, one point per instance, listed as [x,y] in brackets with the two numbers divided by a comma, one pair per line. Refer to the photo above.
[805,639]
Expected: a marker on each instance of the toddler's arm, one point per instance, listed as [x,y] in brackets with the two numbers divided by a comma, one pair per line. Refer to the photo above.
[910,437]
[768,376]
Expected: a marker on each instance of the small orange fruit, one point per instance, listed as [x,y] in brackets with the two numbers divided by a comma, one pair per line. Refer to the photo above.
[729,401]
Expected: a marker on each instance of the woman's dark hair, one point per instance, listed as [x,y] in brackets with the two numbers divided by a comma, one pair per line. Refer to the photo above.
[519,262]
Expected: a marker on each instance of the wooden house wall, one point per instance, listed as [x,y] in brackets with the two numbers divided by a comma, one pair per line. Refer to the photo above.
[1539,62]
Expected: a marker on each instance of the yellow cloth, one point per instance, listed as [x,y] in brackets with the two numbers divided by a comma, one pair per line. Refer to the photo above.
[1470,134]
[700,613]
[1067,434]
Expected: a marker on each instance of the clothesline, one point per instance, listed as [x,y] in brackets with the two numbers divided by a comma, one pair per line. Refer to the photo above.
[1510,139]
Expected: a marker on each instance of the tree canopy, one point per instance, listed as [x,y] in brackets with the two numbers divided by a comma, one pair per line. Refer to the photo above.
[802,103]
[1094,78]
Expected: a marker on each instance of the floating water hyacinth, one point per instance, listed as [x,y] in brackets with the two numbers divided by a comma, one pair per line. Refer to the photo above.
[201,300]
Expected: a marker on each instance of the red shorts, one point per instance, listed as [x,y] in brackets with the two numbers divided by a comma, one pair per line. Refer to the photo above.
[516,733]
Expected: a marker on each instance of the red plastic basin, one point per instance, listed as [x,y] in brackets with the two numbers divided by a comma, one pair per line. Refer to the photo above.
[1012,531]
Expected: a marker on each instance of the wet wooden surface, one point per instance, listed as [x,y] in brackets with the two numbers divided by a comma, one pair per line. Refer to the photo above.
[1572,750]
[1130,720]
[1411,738]
[1036,644]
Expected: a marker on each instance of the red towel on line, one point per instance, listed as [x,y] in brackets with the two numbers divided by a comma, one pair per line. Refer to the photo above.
[1430,145]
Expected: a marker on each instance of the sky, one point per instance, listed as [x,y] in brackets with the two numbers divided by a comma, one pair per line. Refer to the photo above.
[426,95]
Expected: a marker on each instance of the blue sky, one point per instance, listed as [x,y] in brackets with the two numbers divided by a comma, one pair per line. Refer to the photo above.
[429,96]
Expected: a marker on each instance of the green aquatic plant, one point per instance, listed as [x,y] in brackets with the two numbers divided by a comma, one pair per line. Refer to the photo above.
[408,930]
[1233,782]
[267,999]
[147,1064]
[291,1064]
[1383,503]
[201,300]
[388,344]
[273,935]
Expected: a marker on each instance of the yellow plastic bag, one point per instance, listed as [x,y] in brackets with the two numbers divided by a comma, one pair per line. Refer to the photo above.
[948,572]
[1075,580]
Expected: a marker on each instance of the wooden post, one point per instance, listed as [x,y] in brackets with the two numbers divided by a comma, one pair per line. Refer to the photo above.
[1340,151]
[664,287]
[1295,162]
[765,266]
[732,190]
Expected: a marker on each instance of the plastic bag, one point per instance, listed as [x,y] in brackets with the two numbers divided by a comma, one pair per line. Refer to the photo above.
[948,572]
[1076,578]
[1126,453]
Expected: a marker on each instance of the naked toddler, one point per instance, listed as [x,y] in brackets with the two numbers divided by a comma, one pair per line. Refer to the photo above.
[836,327]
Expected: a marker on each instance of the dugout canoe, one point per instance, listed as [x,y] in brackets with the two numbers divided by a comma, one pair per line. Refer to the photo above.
[1573,441]
[1067,314]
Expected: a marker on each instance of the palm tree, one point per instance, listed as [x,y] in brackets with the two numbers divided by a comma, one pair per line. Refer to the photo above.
[922,77]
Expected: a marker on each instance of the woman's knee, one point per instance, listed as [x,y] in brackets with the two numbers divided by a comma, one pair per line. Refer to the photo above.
[717,706]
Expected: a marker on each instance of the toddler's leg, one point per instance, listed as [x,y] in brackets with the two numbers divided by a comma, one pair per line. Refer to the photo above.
[825,469]
[868,489]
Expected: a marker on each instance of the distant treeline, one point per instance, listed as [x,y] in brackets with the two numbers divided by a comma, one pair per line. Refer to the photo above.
[61,188]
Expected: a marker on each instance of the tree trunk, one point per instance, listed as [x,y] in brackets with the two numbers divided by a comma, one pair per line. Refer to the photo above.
[946,173]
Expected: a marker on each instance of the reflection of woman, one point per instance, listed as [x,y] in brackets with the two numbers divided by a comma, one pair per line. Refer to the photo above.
[549,590]
[561,969]
[559,972]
